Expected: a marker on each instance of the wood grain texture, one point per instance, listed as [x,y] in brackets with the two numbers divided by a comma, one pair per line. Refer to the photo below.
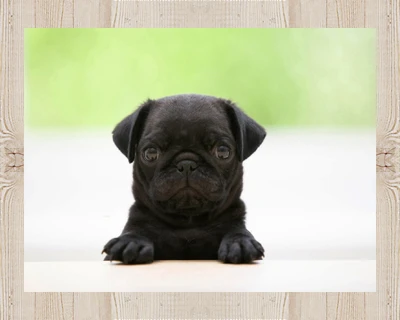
[11,165]
[200,305]
[346,14]
[92,306]
[53,306]
[387,299]
[196,14]
[382,15]
[307,14]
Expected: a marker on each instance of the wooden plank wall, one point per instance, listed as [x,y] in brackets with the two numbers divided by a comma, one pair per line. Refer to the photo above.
[19,14]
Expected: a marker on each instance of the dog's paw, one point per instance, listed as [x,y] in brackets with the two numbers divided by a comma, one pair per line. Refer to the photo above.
[129,250]
[240,249]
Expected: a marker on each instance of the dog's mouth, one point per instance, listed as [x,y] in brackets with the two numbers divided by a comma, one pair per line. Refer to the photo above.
[167,186]
[186,202]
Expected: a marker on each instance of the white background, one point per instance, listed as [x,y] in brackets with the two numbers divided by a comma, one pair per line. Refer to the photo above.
[310,194]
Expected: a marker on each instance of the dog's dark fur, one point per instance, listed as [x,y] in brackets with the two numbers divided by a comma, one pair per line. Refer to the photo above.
[190,209]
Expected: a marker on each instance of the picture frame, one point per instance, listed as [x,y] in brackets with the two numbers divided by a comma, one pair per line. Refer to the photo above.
[381,15]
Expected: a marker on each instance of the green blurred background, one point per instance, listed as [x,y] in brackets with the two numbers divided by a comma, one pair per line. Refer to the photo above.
[281,77]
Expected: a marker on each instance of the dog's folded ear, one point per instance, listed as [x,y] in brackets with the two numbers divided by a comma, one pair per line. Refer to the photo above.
[248,134]
[126,134]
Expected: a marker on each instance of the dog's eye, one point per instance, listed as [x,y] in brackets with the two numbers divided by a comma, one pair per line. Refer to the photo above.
[151,154]
[222,152]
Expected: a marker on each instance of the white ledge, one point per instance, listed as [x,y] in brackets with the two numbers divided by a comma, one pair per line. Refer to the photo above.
[203,276]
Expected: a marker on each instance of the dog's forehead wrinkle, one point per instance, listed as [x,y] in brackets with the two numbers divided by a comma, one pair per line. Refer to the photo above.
[186,123]
[187,116]
[154,135]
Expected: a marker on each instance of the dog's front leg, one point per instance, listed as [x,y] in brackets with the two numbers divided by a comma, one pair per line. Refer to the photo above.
[239,246]
[131,247]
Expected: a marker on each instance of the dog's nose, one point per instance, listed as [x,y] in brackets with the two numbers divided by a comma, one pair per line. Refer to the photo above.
[186,166]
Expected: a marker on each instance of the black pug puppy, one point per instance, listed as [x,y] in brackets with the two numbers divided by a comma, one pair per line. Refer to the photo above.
[188,151]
